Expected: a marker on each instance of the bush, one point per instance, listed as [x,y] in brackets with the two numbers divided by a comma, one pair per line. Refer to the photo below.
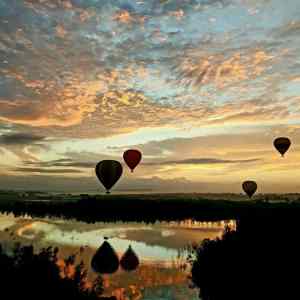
[258,261]
[27,275]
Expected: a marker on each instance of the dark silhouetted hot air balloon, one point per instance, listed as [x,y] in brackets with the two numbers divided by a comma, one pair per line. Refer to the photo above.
[282,144]
[105,260]
[132,158]
[249,187]
[108,173]
[129,260]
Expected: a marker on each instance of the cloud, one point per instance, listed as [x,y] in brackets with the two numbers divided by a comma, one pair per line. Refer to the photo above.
[90,164]
[58,183]
[202,161]
[46,171]
[91,184]
[78,101]
[20,139]
[25,146]
[289,30]
[222,69]
[71,162]
[64,162]
[218,146]
[120,67]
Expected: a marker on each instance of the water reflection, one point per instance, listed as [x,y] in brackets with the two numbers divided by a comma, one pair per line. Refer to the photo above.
[160,248]
[156,243]
[105,260]
[129,261]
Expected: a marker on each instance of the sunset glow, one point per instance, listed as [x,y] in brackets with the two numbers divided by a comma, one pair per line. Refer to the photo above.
[201,87]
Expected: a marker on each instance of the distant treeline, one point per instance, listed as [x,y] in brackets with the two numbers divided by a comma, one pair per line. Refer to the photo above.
[147,208]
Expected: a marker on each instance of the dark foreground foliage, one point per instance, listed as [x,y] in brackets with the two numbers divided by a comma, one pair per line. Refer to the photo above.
[260,260]
[145,208]
[26,275]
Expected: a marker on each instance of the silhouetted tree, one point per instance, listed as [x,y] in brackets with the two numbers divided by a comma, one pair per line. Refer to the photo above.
[258,261]
[36,276]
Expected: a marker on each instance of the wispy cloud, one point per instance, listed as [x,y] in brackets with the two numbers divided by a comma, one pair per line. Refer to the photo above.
[202,161]
[20,139]
[24,145]
[46,171]
[64,162]
[203,68]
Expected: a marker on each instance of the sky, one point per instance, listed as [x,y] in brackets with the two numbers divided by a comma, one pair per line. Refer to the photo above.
[201,87]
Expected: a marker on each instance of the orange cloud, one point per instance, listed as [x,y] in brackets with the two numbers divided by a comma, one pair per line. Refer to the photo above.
[123,17]
[60,31]
[200,69]
[66,4]
[178,14]
[103,103]
[64,107]
[88,109]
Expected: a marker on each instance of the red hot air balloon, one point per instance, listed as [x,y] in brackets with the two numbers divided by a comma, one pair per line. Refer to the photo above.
[132,158]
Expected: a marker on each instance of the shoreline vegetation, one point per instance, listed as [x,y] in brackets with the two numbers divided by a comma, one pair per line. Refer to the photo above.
[30,275]
[258,260]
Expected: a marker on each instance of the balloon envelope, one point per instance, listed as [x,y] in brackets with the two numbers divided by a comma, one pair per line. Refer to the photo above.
[105,260]
[132,158]
[108,173]
[129,260]
[249,187]
[282,144]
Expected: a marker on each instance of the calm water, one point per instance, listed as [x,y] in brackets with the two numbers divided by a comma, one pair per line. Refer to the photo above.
[160,247]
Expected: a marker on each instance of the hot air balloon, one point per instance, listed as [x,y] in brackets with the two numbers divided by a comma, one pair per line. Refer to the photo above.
[105,260]
[129,260]
[108,173]
[282,144]
[249,187]
[132,158]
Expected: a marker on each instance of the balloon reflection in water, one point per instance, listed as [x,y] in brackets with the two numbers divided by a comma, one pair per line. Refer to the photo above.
[105,260]
[129,260]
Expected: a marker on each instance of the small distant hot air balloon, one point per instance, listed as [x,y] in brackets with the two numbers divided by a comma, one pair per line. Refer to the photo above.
[132,158]
[282,144]
[105,260]
[108,173]
[249,187]
[129,260]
